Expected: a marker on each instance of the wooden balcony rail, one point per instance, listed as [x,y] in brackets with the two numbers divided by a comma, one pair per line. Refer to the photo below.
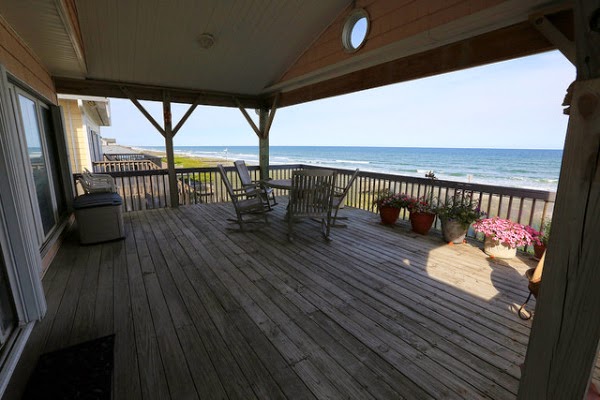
[148,189]
[120,166]
[134,157]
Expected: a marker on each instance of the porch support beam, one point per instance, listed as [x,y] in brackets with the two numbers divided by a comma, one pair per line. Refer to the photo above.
[263,144]
[555,36]
[265,120]
[255,128]
[566,329]
[173,192]
[266,129]
[140,107]
[186,116]
[93,87]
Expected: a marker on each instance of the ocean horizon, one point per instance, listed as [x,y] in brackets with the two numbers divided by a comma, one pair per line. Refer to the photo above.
[524,168]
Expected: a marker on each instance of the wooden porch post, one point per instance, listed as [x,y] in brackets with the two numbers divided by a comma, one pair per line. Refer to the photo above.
[168,133]
[173,190]
[566,328]
[263,144]
[265,120]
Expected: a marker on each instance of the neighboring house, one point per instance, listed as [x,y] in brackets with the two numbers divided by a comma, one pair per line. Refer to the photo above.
[108,141]
[84,116]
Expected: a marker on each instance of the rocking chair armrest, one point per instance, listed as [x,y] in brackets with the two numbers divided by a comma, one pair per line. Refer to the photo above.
[254,185]
[242,193]
[338,191]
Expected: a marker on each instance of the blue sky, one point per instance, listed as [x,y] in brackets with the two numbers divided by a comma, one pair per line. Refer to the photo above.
[512,104]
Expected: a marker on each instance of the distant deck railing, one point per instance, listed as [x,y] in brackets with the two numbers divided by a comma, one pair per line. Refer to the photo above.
[134,157]
[121,166]
[148,189]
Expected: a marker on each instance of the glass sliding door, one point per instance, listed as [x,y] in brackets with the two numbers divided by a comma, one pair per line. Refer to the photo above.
[40,146]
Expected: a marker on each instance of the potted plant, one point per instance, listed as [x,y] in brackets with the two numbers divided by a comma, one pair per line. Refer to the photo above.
[502,236]
[423,209]
[457,214]
[541,240]
[389,205]
[536,241]
[422,213]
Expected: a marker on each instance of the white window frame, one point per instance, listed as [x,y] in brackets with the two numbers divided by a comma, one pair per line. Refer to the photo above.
[21,255]
[16,91]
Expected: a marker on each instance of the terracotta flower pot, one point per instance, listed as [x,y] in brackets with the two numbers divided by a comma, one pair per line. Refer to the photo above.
[389,215]
[538,250]
[495,249]
[453,231]
[421,222]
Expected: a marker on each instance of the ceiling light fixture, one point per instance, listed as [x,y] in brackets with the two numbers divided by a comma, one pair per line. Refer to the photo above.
[206,40]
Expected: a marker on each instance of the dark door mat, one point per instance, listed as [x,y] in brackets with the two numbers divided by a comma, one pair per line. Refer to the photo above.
[83,371]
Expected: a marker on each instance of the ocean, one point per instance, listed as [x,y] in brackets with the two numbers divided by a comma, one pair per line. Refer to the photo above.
[533,169]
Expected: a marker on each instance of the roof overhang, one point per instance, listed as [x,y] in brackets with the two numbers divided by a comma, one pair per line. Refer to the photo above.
[272,47]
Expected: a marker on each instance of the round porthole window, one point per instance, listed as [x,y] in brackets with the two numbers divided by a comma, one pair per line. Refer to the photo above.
[355,30]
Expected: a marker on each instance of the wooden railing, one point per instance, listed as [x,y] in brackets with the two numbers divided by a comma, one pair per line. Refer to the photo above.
[147,189]
[134,157]
[121,166]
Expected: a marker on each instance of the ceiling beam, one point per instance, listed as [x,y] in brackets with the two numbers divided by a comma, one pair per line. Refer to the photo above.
[155,93]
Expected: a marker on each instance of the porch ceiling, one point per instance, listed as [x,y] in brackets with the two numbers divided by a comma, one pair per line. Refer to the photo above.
[262,47]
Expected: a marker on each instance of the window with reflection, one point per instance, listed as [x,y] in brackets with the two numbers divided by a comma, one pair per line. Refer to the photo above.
[37,159]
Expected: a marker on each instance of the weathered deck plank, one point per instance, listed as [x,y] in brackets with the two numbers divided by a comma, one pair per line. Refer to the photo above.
[200,311]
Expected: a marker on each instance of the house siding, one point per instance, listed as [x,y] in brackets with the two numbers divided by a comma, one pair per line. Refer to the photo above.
[76,134]
[391,21]
[23,64]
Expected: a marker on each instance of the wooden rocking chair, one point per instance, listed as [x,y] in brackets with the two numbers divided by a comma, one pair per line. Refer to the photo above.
[339,195]
[535,279]
[253,187]
[245,205]
[311,197]
[97,183]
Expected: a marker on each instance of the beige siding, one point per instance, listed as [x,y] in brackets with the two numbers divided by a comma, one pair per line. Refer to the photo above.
[77,138]
[391,21]
[22,63]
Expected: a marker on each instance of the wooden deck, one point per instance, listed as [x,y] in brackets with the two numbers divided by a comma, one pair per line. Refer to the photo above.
[203,312]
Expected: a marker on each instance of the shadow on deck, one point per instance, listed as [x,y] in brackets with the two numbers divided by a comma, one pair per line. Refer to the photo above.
[203,312]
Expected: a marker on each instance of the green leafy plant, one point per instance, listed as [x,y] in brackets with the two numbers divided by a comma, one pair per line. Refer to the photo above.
[460,209]
[546,232]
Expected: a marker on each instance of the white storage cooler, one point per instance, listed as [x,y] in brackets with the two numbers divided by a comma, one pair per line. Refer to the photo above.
[99,217]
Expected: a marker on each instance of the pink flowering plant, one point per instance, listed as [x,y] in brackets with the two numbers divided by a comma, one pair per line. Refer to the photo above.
[387,198]
[504,231]
[422,204]
[536,236]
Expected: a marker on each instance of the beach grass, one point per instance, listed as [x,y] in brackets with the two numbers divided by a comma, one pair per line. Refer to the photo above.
[194,162]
